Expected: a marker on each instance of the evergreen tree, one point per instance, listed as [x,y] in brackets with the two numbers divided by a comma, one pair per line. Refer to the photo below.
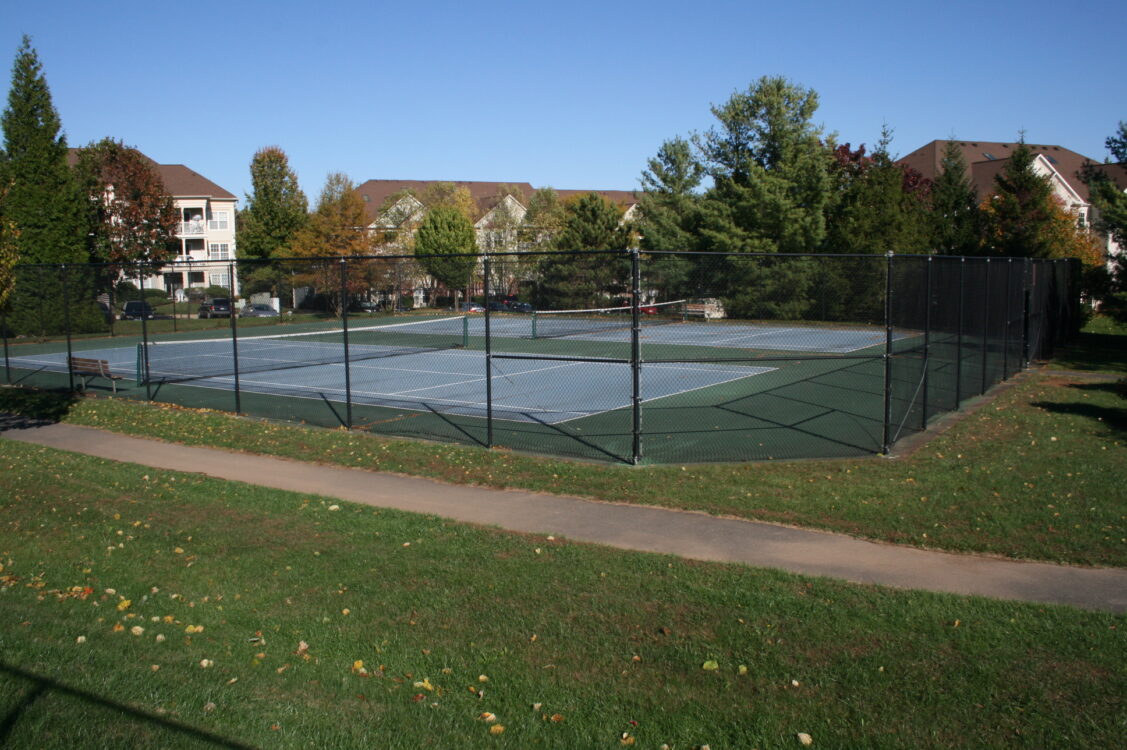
[1018,216]
[43,202]
[42,210]
[956,223]
[276,210]
[579,277]
[769,171]
[670,209]
[1110,202]
[875,212]
[669,204]
[446,246]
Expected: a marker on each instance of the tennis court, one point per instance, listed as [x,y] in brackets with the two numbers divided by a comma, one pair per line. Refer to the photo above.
[446,381]
[715,357]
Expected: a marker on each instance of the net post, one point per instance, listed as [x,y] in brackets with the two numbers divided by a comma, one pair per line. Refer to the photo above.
[144,332]
[636,352]
[887,437]
[67,321]
[533,325]
[344,336]
[488,359]
[7,361]
[234,335]
[465,331]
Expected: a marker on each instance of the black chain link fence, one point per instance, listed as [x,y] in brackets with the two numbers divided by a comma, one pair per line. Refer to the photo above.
[615,356]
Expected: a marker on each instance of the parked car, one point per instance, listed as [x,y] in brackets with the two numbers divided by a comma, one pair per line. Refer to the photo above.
[498,307]
[521,307]
[258,311]
[472,307]
[137,309]
[216,307]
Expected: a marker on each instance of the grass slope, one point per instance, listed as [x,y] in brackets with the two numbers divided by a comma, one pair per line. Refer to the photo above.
[282,620]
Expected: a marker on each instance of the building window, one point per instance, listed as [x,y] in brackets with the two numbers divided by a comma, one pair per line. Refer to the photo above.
[195,277]
[217,220]
[219,279]
[218,251]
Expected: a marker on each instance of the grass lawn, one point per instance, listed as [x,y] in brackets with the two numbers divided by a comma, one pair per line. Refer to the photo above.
[281,620]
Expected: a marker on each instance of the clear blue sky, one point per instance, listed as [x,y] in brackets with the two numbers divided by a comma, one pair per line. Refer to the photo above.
[576,94]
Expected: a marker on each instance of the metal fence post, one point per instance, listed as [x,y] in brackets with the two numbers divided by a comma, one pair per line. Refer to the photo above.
[959,335]
[1006,318]
[985,321]
[234,335]
[67,322]
[344,336]
[488,359]
[927,341]
[887,438]
[636,351]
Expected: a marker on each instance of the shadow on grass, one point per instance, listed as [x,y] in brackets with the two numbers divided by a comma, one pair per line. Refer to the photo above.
[1095,351]
[1115,417]
[40,687]
[32,404]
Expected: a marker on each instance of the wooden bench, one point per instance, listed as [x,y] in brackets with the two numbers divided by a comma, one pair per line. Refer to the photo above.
[706,310]
[87,369]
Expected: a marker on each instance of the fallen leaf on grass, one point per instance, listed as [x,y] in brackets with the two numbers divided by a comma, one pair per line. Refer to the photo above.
[710,666]
[804,738]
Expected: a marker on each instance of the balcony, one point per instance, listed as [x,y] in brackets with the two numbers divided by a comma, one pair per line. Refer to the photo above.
[192,228]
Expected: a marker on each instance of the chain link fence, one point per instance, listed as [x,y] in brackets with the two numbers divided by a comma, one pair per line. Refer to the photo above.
[615,356]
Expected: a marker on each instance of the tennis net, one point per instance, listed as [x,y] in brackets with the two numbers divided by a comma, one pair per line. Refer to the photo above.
[557,323]
[172,361]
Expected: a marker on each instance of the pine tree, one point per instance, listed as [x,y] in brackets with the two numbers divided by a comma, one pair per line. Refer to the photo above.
[43,202]
[1019,215]
[956,223]
[579,277]
[769,170]
[1110,202]
[43,210]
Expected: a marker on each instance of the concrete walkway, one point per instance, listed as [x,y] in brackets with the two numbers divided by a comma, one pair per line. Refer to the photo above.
[633,527]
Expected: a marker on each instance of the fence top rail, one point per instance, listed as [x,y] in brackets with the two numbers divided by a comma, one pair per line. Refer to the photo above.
[204,263]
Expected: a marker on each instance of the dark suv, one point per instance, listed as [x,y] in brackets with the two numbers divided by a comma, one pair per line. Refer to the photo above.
[216,307]
[137,309]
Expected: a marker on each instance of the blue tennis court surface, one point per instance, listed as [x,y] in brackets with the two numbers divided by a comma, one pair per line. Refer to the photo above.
[699,333]
[454,382]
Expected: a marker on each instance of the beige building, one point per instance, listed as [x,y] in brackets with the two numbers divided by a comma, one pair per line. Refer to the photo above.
[206,234]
